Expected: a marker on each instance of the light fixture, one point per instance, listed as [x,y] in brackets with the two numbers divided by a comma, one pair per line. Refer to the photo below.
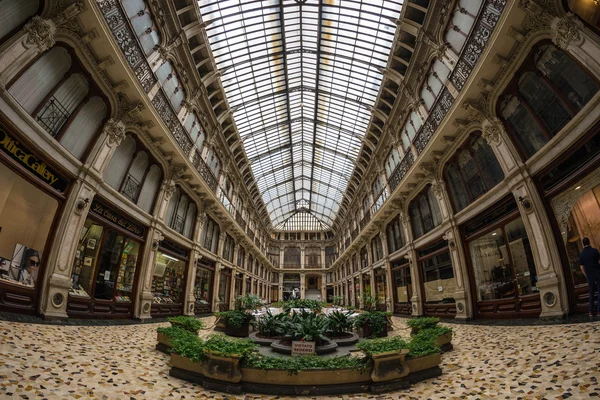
[494,234]
[578,187]
[169,257]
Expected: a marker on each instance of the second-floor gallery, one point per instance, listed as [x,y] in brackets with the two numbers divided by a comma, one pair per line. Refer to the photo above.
[162,157]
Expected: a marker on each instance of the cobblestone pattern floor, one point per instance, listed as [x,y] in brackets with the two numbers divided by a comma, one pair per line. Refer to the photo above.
[119,362]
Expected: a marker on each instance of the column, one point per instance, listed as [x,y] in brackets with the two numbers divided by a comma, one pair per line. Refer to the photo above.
[417,297]
[111,137]
[302,263]
[61,256]
[462,297]
[388,272]
[324,287]
[34,39]
[232,289]
[143,305]
[189,299]
[322,257]
[361,287]
[302,286]
[244,283]
[281,286]
[216,280]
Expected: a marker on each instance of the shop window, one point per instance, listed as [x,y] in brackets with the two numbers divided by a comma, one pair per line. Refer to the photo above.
[395,235]
[14,14]
[168,279]
[134,174]
[211,235]
[105,264]
[463,18]
[381,288]
[439,283]
[142,23]
[202,288]
[471,172]
[181,213]
[291,286]
[224,290]
[59,94]
[424,213]
[548,90]
[26,215]
[402,284]
[366,278]
[377,248]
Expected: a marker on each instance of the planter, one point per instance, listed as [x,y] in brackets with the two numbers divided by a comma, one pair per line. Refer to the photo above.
[368,332]
[164,343]
[174,323]
[222,368]
[186,364]
[347,341]
[261,341]
[389,365]
[243,331]
[278,347]
[311,377]
[445,341]
[422,363]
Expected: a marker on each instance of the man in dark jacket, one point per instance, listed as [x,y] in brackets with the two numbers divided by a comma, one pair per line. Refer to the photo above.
[589,261]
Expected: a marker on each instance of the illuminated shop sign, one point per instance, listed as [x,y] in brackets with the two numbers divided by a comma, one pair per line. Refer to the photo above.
[116,218]
[22,155]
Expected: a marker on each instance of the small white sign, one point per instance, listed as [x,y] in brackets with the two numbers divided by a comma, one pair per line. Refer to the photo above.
[440,288]
[106,275]
[405,292]
[302,348]
[526,273]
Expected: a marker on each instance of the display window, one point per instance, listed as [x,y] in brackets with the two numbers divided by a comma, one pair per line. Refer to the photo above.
[168,279]
[357,293]
[366,284]
[402,287]
[437,279]
[380,289]
[105,264]
[203,285]
[225,290]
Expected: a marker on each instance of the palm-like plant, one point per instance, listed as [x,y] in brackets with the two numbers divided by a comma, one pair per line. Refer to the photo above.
[307,326]
[272,325]
[338,323]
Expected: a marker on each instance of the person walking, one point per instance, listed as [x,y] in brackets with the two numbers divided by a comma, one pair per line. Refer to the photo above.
[589,262]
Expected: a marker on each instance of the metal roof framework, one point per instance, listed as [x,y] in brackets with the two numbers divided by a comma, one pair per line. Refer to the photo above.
[301,77]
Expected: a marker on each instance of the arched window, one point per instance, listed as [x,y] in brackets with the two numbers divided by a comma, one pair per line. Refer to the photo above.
[134,173]
[142,23]
[395,235]
[241,257]
[58,93]
[212,161]
[15,13]
[211,235]
[549,89]
[171,86]
[412,126]
[424,213]
[436,80]
[181,213]
[463,17]
[228,247]
[392,162]
[376,248]
[471,172]
[364,257]
[194,128]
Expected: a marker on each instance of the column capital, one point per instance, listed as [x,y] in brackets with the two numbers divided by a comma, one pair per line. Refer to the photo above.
[566,29]
[492,131]
[40,33]
[114,131]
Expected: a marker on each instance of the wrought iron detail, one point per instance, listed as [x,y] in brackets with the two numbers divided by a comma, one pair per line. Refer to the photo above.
[205,172]
[131,188]
[435,118]
[480,34]
[401,170]
[53,116]
[178,223]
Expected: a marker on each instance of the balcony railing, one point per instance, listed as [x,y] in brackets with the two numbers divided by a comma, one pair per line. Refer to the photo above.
[178,223]
[401,170]
[131,188]
[365,220]
[379,200]
[53,116]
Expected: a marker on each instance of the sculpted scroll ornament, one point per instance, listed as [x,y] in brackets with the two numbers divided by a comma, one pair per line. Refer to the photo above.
[492,131]
[40,33]
[115,132]
[566,29]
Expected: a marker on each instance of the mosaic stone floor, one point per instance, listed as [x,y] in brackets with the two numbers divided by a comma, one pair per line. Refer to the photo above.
[119,362]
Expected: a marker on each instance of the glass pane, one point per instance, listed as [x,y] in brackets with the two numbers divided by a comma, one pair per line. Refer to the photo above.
[455,186]
[108,265]
[380,287]
[126,276]
[403,285]
[487,162]
[491,266]
[470,174]
[438,279]
[168,280]
[202,285]
[224,285]
[528,132]
[85,259]
[522,257]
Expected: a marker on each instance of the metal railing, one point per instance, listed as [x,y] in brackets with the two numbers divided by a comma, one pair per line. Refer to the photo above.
[131,188]
[53,116]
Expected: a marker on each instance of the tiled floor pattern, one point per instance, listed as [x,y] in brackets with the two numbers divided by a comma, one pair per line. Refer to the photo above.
[119,362]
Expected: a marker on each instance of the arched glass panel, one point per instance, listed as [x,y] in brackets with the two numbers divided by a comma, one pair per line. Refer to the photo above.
[190,220]
[149,189]
[470,174]
[487,162]
[454,183]
[415,219]
[84,127]
[528,132]
[569,78]
[14,13]
[426,216]
[544,102]
[119,163]
[172,207]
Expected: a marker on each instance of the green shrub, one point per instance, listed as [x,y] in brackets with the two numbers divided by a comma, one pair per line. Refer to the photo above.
[422,345]
[225,346]
[175,332]
[191,324]
[434,333]
[272,325]
[377,320]
[383,345]
[339,322]
[247,302]
[294,365]
[418,324]
[235,318]
[190,346]
[313,305]
[306,326]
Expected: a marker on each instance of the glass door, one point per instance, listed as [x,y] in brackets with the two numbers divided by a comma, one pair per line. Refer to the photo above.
[504,272]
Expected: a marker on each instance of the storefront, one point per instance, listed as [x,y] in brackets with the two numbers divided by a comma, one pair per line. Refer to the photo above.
[106,265]
[381,289]
[31,200]
[357,293]
[291,286]
[366,278]
[203,286]
[169,279]
[239,279]
[501,265]
[224,290]
[402,287]
[438,284]
[571,191]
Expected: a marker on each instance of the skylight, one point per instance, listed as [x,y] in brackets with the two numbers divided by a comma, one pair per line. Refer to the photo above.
[300,77]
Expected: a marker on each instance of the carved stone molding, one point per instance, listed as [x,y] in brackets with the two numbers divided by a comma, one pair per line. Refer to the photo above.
[492,131]
[40,33]
[168,187]
[566,30]
[115,132]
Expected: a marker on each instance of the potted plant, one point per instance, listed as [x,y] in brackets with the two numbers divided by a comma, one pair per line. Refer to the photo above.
[223,357]
[269,328]
[167,335]
[237,321]
[372,323]
[339,328]
[421,323]
[190,324]
[423,353]
[308,327]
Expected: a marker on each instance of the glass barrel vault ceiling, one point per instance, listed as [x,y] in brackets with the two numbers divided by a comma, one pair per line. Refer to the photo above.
[300,77]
